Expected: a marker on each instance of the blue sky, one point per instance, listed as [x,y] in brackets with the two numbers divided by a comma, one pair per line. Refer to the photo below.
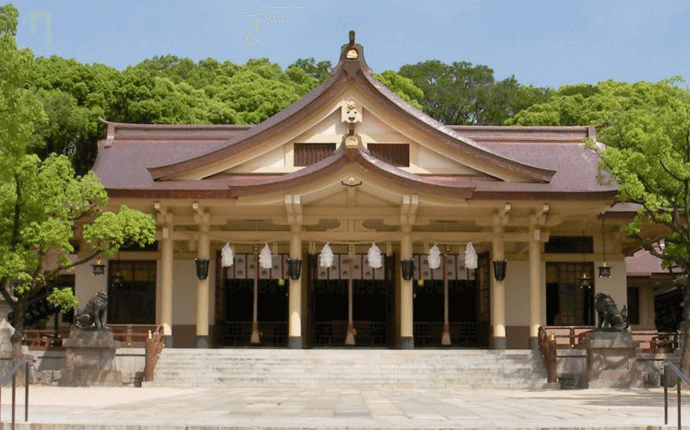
[543,43]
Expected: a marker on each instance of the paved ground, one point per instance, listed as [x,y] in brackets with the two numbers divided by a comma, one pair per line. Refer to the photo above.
[264,408]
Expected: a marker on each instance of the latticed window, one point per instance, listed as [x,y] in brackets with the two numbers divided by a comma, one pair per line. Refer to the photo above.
[307,154]
[568,302]
[397,154]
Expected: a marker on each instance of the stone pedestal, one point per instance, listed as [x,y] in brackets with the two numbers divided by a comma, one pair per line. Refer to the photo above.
[90,360]
[7,351]
[611,359]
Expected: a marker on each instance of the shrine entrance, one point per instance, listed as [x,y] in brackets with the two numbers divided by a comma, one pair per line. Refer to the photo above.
[373,293]
[468,303]
[235,293]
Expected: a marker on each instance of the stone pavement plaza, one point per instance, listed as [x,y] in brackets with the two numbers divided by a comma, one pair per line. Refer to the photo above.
[339,408]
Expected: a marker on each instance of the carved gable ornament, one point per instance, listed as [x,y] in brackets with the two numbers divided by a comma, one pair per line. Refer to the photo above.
[351,112]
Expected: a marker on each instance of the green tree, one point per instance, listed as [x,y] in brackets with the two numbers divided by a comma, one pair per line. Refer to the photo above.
[402,86]
[461,93]
[42,201]
[73,96]
[646,131]
[320,71]
[649,157]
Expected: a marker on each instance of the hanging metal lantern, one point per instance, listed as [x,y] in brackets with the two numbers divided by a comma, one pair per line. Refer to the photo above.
[201,268]
[407,268]
[294,268]
[500,269]
[98,269]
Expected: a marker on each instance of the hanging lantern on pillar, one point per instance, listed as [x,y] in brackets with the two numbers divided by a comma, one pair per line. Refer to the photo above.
[201,268]
[500,269]
[470,257]
[407,268]
[294,268]
[227,255]
[374,257]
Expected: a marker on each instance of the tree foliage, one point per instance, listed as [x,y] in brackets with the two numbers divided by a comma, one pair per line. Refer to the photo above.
[41,201]
[646,129]
[320,71]
[461,93]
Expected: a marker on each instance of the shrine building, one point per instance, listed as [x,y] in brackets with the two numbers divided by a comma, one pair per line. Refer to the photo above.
[353,166]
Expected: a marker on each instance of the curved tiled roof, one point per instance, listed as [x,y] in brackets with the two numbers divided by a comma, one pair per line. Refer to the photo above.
[145,160]
[345,70]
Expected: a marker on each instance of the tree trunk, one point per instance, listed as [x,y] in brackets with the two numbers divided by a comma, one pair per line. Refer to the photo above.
[685,333]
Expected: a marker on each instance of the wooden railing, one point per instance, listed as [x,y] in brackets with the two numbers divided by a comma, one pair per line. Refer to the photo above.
[154,346]
[656,342]
[650,340]
[132,335]
[568,336]
[43,339]
[129,336]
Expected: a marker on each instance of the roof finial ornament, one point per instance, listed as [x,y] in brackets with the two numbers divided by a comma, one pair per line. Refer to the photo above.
[352,37]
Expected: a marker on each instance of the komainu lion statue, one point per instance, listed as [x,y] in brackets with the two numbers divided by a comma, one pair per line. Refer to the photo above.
[609,315]
[94,314]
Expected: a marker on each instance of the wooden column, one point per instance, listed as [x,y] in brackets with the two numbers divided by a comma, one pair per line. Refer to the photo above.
[498,294]
[167,284]
[295,294]
[535,297]
[202,285]
[406,340]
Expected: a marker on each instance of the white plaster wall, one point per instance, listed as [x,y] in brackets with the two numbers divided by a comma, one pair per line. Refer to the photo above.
[517,293]
[184,292]
[86,284]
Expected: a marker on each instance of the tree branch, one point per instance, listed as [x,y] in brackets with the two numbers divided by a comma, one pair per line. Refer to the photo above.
[60,268]
[17,213]
[671,174]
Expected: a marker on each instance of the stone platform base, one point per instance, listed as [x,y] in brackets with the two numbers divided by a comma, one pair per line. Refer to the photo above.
[611,357]
[90,360]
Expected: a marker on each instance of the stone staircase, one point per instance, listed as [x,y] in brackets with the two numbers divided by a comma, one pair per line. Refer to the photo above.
[349,368]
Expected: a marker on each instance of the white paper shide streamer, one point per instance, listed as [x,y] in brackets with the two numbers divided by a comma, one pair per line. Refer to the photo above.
[326,256]
[470,257]
[434,257]
[374,257]
[227,255]
[265,258]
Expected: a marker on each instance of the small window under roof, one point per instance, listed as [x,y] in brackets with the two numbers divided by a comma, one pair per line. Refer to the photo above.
[397,154]
[307,154]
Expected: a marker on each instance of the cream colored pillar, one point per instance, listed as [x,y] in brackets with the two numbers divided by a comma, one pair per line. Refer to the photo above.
[295,295]
[406,340]
[498,294]
[167,284]
[202,338]
[535,298]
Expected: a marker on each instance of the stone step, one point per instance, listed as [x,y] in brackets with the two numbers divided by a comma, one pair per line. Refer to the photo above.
[349,368]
